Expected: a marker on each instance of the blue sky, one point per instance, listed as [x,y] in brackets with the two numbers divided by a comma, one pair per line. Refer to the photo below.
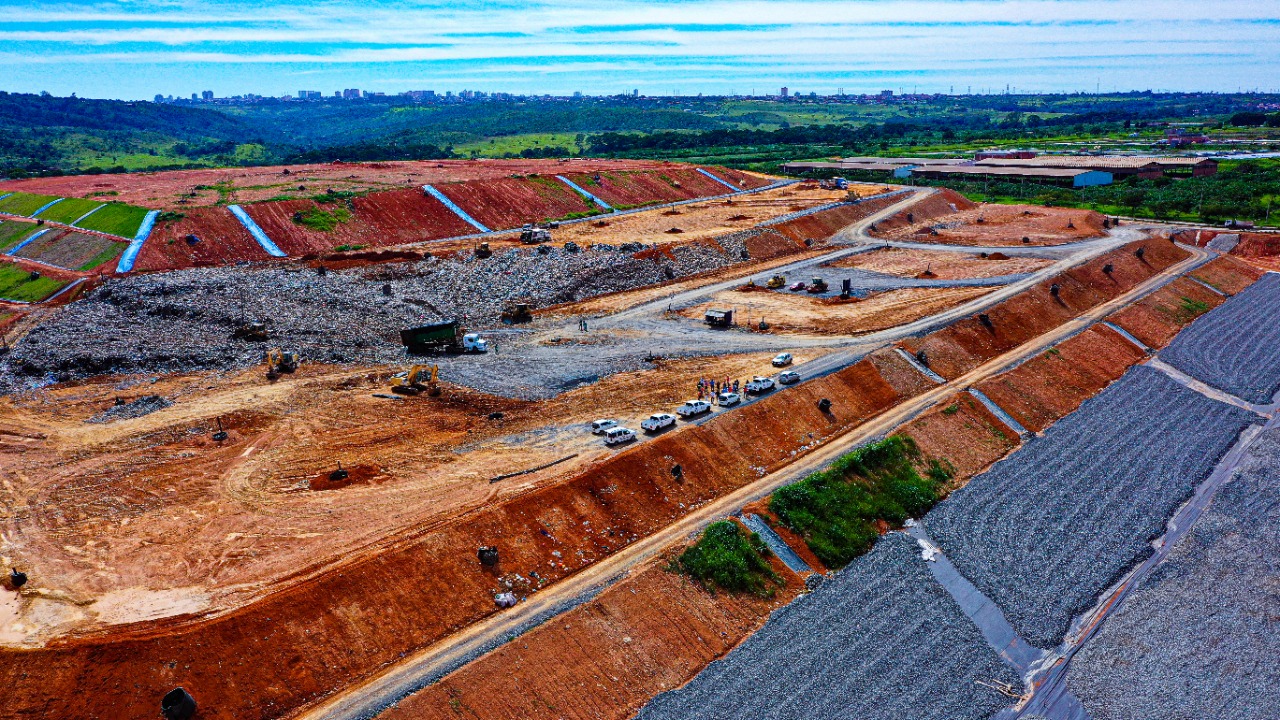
[128,49]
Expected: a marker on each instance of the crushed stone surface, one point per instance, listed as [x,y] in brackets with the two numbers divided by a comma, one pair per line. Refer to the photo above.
[880,639]
[1199,639]
[1236,346]
[127,411]
[1049,528]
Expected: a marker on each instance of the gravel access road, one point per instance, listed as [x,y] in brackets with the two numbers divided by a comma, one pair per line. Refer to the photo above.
[879,639]
[1200,637]
[1049,528]
[1236,346]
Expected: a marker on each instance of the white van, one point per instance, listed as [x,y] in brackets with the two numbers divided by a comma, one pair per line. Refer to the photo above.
[618,435]
[598,427]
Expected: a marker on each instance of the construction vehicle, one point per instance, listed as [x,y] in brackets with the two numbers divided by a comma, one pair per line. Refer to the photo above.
[252,332]
[279,361]
[515,313]
[776,282]
[534,235]
[483,251]
[419,378]
[818,286]
[718,318]
[442,337]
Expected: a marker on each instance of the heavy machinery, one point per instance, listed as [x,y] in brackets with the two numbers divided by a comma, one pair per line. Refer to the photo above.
[253,332]
[776,282]
[279,361]
[483,251]
[441,337]
[419,378]
[515,313]
[818,286]
[534,235]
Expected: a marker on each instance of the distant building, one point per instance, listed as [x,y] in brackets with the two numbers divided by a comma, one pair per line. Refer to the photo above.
[207,95]
[886,93]
[783,93]
[1005,155]
[577,93]
[159,98]
[1075,177]
[635,93]
[195,96]
[308,94]
[351,94]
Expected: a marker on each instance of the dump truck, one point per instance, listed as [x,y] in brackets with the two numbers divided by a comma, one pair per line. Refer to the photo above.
[420,378]
[776,282]
[534,235]
[818,286]
[441,337]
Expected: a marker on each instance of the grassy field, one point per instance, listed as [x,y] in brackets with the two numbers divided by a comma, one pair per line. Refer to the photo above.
[12,233]
[116,219]
[24,203]
[108,254]
[513,145]
[69,210]
[16,284]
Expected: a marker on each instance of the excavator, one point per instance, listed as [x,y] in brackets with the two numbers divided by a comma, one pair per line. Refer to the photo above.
[279,361]
[419,378]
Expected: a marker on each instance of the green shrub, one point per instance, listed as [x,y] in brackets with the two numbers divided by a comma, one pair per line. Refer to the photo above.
[1192,309]
[836,510]
[730,559]
[344,248]
[170,216]
[317,218]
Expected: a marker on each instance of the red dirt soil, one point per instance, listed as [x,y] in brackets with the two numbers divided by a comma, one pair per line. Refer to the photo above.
[223,241]
[964,345]
[649,633]
[905,379]
[1228,274]
[162,190]
[508,203]
[1157,318]
[828,222]
[962,432]
[940,204]
[347,620]
[627,189]
[1001,225]
[1051,385]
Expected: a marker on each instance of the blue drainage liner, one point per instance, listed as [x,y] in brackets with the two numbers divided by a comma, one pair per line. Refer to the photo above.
[46,206]
[131,253]
[998,411]
[82,217]
[591,197]
[454,207]
[26,242]
[722,182]
[256,231]
[5,195]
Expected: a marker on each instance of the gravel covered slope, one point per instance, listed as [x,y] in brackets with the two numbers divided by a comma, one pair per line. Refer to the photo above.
[1051,526]
[1201,637]
[1235,347]
[879,640]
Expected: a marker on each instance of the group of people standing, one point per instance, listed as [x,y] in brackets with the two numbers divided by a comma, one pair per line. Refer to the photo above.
[709,388]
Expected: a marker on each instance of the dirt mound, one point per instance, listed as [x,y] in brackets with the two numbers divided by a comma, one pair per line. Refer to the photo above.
[966,344]
[1157,318]
[346,476]
[202,237]
[1053,384]
[1228,274]
[963,433]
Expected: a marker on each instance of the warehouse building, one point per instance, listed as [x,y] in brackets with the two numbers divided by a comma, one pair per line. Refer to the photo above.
[1072,177]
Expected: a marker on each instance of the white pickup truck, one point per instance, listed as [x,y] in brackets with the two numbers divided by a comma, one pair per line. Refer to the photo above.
[657,421]
[759,384]
[693,407]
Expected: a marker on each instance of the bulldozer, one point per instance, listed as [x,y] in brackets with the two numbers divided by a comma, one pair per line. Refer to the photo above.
[483,251]
[515,313]
[279,361]
[818,286]
[776,282]
[418,379]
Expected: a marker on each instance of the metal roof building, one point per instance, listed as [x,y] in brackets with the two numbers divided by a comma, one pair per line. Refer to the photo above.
[1074,177]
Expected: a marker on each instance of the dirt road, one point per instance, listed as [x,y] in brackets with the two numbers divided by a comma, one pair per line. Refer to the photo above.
[369,697]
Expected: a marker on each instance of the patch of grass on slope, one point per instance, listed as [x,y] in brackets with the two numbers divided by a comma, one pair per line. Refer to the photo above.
[318,218]
[69,210]
[116,219]
[837,510]
[25,203]
[12,233]
[728,558]
[16,284]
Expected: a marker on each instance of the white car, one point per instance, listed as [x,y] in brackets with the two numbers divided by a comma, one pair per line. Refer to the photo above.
[618,435]
[760,384]
[600,426]
[657,421]
[728,399]
[782,360]
[790,377]
[693,407]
